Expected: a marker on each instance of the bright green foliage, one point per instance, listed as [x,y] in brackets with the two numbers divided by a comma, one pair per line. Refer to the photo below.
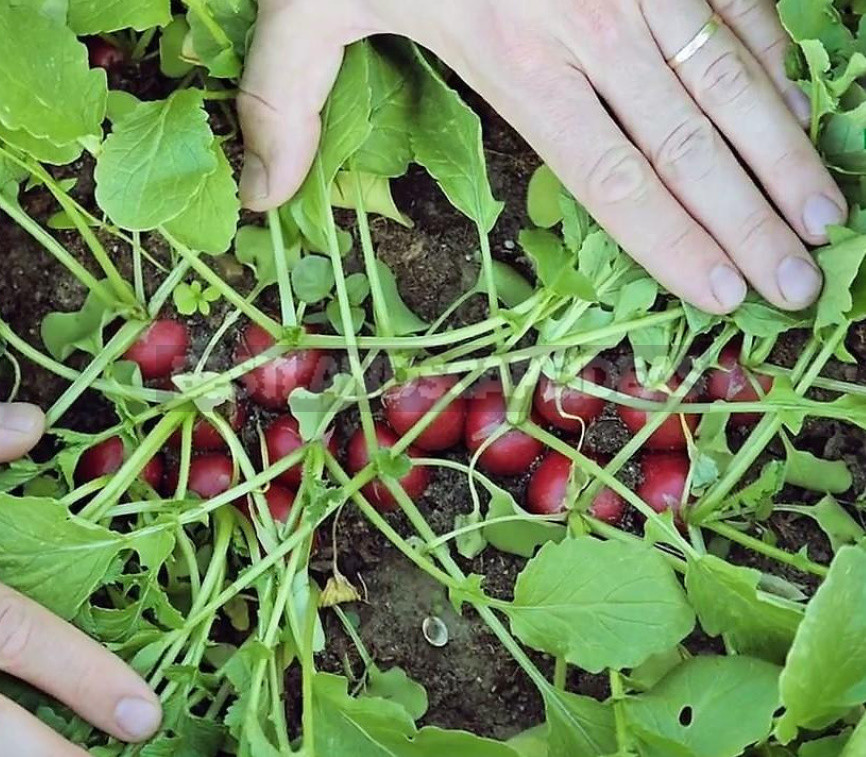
[97,16]
[220,29]
[63,333]
[55,95]
[825,674]
[395,686]
[543,198]
[599,604]
[194,298]
[729,603]
[141,191]
[707,707]
[578,726]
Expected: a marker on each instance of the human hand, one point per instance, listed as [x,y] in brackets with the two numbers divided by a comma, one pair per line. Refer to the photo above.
[39,648]
[658,174]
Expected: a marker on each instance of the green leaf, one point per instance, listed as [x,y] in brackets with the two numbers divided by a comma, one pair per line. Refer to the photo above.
[403,320]
[219,39]
[345,127]
[394,685]
[120,104]
[209,223]
[578,726]
[155,162]
[511,287]
[556,265]
[52,557]
[762,320]
[446,138]
[53,95]
[707,707]
[64,333]
[98,16]
[599,604]
[815,20]
[576,221]
[521,537]
[825,674]
[40,148]
[313,278]
[357,288]
[840,263]
[834,520]
[388,150]
[171,62]
[531,743]
[830,746]
[542,199]
[375,193]
[728,603]
[335,317]
[805,470]
[255,249]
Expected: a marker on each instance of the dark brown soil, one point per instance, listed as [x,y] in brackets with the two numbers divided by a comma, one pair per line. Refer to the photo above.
[472,683]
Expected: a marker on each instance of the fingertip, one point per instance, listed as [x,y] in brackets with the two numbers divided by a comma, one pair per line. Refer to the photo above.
[800,282]
[21,427]
[728,287]
[138,718]
[821,211]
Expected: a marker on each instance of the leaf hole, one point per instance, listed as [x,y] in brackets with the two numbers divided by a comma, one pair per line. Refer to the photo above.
[686,716]
[779,712]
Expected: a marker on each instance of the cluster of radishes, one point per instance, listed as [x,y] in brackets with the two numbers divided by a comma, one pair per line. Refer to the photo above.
[474,419]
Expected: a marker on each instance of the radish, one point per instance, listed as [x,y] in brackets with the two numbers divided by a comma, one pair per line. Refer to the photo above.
[414,482]
[405,405]
[209,476]
[103,54]
[664,481]
[282,438]
[730,382]
[107,457]
[567,407]
[514,451]
[668,436]
[280,501]
[271,384]
[548,487]
[161,350]
[205,437]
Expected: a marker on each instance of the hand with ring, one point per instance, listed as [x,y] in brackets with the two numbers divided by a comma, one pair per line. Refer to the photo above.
[672,121]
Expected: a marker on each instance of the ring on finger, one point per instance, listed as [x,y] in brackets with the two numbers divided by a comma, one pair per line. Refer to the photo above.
[704,35]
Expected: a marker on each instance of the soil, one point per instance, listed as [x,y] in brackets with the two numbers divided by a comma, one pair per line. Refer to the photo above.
[471,682]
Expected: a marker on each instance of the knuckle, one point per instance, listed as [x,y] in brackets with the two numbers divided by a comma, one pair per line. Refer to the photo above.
[757,228]
[16,630]
[689,152]
[620,175]
[603,22]
[726,80]
[736,10]
[679,243]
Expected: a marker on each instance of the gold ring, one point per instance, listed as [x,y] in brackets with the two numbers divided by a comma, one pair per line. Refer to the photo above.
[707,32]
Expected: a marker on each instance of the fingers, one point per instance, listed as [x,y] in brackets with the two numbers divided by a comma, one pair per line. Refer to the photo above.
[24,734]
[58,659]
[757,24]
[21,426]
[289,73]
[695,163]
[736,93]
[565,122]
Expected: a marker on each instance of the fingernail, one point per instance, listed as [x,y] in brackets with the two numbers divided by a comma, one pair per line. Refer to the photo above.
[821,212]
[20,418]
[799,280]
[728,286]
[254,179]
[800,105]
[137,718]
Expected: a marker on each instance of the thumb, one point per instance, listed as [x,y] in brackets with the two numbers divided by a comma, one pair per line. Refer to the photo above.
[21,426]
[290,70]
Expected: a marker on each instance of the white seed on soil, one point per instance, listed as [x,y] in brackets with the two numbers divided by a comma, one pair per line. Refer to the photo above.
[435,632]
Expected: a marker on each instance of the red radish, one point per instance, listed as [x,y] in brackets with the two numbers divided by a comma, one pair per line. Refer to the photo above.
[102,460]
[664,481]
[107,457]
[282,438]
[280,501]
[566,406]
[271,384]
[405,405]
[161,350]
[103,54]
[668,436]
[152,473]
[414,482]
[731,382]
[512,452]
[205,437]
[548,487]
[209,476]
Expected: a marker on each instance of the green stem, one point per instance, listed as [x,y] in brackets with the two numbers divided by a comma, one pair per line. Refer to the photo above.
[560,673]
[284,280]
[380,305]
